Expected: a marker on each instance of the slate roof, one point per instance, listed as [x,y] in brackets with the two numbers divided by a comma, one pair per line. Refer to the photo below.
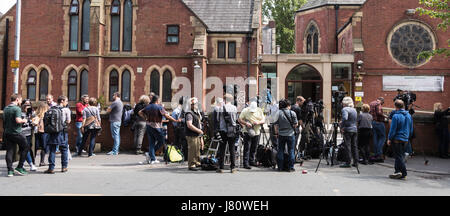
[318,3]
[223,15]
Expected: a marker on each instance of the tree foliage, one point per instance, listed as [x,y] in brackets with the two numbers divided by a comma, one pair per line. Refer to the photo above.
[283,12]
[436,9]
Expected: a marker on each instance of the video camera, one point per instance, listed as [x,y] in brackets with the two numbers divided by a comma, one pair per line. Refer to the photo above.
[407,97]
[338,96]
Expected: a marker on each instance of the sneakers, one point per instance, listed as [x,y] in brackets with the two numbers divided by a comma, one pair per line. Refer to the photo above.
[139,152]
[112,153]
[33,168]
[395,176]
[147,157]
[10,173]
[219,171]
[92,155]
[234,170]
[20,171]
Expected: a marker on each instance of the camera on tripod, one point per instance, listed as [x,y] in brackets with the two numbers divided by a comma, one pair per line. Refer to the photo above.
[408,98]
[338,96]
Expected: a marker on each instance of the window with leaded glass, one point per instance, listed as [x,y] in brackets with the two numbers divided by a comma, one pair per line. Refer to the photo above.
[84,82]
[154,82]
[127,25]
[167,86]
[232,50]
[31,85]
[86,25]
[115,25]
[312,39]
[72,85]
[126,86]
[43,85]
[221,49]
[73,12]
[113,84]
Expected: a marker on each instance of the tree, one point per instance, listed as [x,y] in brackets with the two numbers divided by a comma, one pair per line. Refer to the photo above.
[283,12]
[436,9]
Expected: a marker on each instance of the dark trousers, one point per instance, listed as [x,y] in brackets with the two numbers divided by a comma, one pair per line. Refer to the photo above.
[226,141]
[57,140]
[398,148]
[282,142]
[180,141]
[351,147]
[11,141]
[364,136]
[92,134]
[444,139]
[250,146]
[41,143]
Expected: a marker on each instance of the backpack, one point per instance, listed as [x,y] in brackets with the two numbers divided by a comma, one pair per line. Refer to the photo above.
[53,120]
[209,163]
[126,115]
[173,154]
[266,156]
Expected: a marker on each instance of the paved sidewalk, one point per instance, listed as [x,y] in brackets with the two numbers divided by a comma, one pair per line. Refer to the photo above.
[435,166]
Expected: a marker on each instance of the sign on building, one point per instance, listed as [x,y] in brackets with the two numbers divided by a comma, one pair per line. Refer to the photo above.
[414,83]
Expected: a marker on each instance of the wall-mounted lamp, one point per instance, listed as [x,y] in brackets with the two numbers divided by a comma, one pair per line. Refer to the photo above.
[360,63]
[410,12]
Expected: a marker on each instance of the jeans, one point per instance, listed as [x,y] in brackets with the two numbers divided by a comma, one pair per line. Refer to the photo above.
[156,140]
[290,142]
[11,141]
[92,134]
[55,140]
[30,158]
[139,132]
[250,146]
[227,141]
[351,147]
[379,136]
[79,135]
[398,149]
[115,132]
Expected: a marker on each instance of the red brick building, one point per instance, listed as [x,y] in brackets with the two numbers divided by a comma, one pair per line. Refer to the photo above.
[385,37]
[73,47]
[98,47]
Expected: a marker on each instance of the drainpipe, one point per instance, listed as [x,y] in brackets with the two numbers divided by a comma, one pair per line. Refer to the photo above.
[5,64]
[336,9]
[249,43]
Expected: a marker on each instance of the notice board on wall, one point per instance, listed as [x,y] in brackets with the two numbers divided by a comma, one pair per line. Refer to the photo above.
[414,83]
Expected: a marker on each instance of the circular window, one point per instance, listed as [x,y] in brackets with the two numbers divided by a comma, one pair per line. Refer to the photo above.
[408,40]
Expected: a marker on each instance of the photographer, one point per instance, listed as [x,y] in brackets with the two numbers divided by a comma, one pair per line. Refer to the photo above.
[441,121]
[225,118]
[180,138]
[252,119]
[287,122]
[349,130]
[194,134]
[298,111]
[27,128]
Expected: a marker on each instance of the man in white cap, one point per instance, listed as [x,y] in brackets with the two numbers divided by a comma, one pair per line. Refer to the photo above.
[251,118]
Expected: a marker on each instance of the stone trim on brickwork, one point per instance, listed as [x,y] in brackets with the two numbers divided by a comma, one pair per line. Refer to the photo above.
[305,36]
[65,77]
[161,71]
[38,69]
[120,70]
[215,38]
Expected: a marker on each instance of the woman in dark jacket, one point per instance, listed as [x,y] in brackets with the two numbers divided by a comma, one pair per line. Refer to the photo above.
[442,128]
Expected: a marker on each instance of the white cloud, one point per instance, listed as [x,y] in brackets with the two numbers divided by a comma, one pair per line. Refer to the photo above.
[5,5]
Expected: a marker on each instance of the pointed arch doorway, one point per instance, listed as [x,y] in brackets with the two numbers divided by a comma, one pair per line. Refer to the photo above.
[304,80]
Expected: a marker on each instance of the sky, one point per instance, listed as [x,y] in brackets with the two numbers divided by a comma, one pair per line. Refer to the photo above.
[5,5]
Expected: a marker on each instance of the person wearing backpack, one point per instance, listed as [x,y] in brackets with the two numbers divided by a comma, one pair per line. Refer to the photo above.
[252,119]
[225,117]
[180,138]
[287,122]
[139,124]
[55,124]
[90,127]
[12,124]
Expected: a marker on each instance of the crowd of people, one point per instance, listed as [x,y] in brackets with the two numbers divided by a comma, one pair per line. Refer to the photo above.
[49,125]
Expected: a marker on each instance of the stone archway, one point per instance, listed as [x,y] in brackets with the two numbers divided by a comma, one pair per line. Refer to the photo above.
[304,80]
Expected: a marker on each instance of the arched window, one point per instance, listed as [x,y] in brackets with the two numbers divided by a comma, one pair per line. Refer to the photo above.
[84,78]
[74,10]
[72,82]
[31,85]
[167,86]
[127,25]
[43,85]
[126,85]
[312,39]
[86,25]
[115,25]
[154,82]
[113,84]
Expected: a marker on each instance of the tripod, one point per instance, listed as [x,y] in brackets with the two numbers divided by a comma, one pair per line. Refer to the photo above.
[331,146]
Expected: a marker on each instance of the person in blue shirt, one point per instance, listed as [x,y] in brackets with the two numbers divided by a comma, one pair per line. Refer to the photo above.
[399,134]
